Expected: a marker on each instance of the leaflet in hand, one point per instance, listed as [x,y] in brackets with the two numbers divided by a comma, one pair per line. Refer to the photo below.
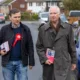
[5,46]
[50,54]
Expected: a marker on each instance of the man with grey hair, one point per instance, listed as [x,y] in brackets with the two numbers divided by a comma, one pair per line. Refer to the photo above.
[56,47]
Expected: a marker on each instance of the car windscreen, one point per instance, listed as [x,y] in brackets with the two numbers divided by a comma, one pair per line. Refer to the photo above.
[44,15]
[74,14]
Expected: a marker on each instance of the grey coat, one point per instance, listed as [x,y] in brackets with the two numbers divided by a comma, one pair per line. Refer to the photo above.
[63,43]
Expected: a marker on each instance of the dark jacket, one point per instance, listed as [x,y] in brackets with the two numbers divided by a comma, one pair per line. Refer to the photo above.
[27,51]
[64,46]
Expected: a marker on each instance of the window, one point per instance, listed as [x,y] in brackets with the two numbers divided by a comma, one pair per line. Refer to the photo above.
[30,4]
[22,5]
[52,3]
[39,4]
[49,4]
[61,4]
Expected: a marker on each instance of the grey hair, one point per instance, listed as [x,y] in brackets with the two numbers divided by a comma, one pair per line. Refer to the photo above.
[57,8]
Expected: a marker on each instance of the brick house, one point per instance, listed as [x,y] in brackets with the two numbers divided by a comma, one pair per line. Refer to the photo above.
[20,4]
[33,5]
[29,5]
[41,5]
[3,8]
[7,5]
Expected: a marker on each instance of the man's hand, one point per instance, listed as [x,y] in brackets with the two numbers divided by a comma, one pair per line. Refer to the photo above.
[3,52]
[48,62]
[73,67]
[30,67]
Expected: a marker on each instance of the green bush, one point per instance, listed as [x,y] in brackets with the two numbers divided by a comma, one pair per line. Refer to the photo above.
[34,16]
[7,17]
[25,16]
[28,16]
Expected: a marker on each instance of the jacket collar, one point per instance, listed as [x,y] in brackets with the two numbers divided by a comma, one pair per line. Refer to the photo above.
[11,26]
[47,26]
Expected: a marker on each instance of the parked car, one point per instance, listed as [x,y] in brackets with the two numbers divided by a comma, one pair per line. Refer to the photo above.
[2,18]
[74,13]
[43,18]
[74,16]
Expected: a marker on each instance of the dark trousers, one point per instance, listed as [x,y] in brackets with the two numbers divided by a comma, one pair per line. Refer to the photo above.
[48,72]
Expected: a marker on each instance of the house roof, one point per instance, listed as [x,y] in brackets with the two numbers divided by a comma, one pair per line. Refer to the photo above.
[1,3]
[52,0]
[35,0]
[6,2]
[40,0]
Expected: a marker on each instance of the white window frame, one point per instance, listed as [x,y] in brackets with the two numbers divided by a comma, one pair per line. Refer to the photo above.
[22,5]
[30,3]
[39,3]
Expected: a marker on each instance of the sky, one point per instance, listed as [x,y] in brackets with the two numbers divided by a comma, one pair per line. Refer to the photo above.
[1,0]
